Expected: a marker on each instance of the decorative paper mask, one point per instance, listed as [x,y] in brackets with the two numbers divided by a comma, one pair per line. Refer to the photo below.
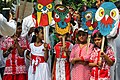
[88,20]
[62,19]
[107,16]
[44,12]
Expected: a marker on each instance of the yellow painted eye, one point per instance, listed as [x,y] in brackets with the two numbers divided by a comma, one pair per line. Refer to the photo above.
[49,6]
[40,6]
[113,13]
[101,12]
[88,16]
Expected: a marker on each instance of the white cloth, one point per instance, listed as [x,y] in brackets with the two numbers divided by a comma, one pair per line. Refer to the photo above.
[28,22]
[60,69]
[7,28]
[42,70]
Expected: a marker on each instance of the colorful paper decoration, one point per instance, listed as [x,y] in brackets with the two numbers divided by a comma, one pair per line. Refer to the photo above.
[44,12]
[107,16]
[88,20]
[62,19]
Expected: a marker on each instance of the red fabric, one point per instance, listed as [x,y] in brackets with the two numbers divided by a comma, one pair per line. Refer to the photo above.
[67,70]
[15,77]
[14,63]
[57,49]
[103,73]
[40,60]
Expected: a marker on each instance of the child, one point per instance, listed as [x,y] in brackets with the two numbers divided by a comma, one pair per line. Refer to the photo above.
[101,69]
[38,69]
[13,48]
[61,68]
[79,57]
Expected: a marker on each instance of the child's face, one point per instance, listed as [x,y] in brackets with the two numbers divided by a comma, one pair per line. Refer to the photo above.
[18,31]
[82,36]
[40,35]
[98,41]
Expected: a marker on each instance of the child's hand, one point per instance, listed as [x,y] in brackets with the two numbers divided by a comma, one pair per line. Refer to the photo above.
[65,49]
[46,46]
[102,54]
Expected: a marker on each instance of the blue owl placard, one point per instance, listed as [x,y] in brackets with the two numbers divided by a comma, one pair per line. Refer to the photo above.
[107,16]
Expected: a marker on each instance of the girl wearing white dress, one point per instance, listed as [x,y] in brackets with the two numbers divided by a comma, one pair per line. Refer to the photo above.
[38,69]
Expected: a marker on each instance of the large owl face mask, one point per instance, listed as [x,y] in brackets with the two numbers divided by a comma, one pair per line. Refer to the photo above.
[107,16]
[44,12]
[62,19]
[88,20]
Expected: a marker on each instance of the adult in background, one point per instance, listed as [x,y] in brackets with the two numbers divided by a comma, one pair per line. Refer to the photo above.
[7,27]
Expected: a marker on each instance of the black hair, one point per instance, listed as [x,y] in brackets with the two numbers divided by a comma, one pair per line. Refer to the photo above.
[117,3]
[36,31]
[99,35]
[19,24]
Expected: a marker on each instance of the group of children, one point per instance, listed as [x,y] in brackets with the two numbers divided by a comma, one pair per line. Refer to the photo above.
[72,62]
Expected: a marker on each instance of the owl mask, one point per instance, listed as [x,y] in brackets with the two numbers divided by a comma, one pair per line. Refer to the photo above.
[88,20]
[107,16]
[44,12]
[62,19]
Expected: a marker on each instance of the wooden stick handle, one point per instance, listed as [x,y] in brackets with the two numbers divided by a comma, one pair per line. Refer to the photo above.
[102,46]
[63,38]
[44,34]
[88,42]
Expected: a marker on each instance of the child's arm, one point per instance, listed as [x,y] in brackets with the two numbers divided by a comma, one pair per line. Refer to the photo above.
[28,54]
[93,64]
[7,52]
[46,54]
[109,61]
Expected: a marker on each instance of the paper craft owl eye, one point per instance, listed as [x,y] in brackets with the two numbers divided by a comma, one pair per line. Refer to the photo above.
[67,18]
[49,6]
[88,16]
[56,17]
[101,12]
[39,6]
[114,14]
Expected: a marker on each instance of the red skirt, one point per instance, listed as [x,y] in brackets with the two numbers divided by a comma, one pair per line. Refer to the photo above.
[15,77]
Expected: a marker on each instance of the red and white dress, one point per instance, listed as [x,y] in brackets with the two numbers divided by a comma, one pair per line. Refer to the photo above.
[62,65]
[38,69]
[15,68]
[102,73]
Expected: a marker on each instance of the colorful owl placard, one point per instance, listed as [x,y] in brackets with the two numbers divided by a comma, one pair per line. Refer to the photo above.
[107,16]
[62,19]
[88,20]
[44,12]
